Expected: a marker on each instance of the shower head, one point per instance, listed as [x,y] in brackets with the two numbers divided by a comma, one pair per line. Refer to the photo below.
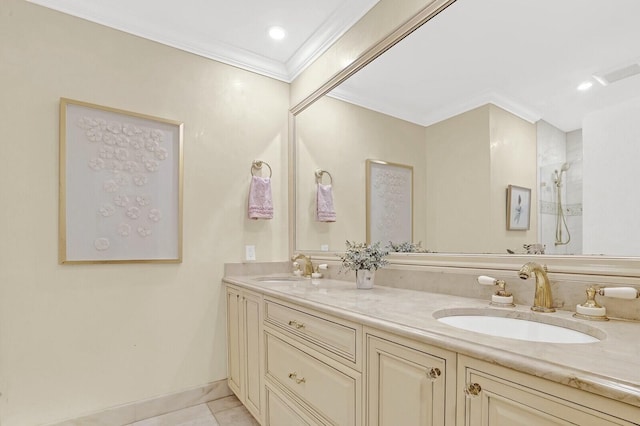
[565,167]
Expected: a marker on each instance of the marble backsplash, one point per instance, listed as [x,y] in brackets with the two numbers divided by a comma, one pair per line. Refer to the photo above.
[567,293]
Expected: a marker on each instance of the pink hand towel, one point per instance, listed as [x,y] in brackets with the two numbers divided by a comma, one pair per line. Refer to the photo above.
[260,200]
[325,211]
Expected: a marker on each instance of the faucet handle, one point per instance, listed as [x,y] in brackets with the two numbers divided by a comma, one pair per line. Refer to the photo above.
[619,292]
[485,280]
[590,309]
[501,297]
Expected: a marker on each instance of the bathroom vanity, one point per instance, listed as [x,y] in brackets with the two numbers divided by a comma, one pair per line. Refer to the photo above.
[321,352]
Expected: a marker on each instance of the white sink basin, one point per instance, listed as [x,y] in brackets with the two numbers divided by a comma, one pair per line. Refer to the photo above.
[521,329]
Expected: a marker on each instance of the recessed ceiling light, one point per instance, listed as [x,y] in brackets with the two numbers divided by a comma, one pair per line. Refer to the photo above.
[277,33]
[585,86]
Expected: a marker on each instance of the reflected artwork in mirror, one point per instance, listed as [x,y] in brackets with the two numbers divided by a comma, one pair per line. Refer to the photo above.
[483,96]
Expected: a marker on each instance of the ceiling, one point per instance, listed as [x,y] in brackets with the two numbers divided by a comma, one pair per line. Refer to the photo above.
[234,32]
[525,56]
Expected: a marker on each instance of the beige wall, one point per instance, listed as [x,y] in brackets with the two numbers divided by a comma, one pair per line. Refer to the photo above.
[75,339]
[457,156]
[471,159]
[339,137]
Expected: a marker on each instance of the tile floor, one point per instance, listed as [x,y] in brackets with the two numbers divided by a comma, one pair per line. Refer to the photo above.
[221,412]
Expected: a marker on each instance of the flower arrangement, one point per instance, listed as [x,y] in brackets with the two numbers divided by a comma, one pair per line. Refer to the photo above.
[360,256]
[407,247]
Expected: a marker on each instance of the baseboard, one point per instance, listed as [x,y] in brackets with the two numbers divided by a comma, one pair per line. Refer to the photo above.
[136,411]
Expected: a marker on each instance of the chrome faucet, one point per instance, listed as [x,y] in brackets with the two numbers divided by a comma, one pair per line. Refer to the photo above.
[542,301]
[307,269]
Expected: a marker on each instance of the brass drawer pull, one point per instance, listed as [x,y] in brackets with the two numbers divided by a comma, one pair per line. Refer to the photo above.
[296,324]
[473,390]
[433,373]
[294,376]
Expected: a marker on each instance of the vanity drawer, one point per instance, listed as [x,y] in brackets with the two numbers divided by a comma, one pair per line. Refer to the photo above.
[323,332]
[331,392]
[282,412]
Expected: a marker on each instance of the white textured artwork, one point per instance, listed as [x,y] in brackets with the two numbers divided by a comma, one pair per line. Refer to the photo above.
[122,183]
[390,202]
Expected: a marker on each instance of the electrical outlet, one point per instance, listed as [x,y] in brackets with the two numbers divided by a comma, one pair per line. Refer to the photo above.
[250,252]
[324,247]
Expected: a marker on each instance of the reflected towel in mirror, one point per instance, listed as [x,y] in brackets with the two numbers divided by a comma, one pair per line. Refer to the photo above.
[260,200]
[325,211]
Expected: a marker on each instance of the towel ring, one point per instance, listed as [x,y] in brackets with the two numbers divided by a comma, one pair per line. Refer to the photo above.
[320,173]
[257,164]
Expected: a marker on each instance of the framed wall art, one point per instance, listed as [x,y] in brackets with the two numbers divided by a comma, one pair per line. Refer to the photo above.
[518,208]
[389,202]
[120,186]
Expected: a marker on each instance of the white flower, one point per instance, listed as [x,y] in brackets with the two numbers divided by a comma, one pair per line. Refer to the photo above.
[143,200]
[122,140]
[101,244]
[151,165]
[122,179]
[113,165]
[109,139]
[124,229]
[151,145]
[120,200]
[140,179]
[110,186]
[131,166]
[136,142]
[133,212]
[156,134]
[114,127]
[94,134]
[122,154]
[155,215]
[129,129]
[106,152]
[96,164]
[161,153]
[86,122]
[144,231]
[106,210]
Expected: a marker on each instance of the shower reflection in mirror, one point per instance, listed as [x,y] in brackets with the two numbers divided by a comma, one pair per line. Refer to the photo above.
[560,190]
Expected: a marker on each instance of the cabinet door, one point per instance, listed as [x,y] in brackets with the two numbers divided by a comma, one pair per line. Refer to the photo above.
[491,399]
[252,319]
[234,342]
[405,386]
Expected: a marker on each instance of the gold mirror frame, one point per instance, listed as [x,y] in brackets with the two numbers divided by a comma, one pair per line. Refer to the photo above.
[596,269]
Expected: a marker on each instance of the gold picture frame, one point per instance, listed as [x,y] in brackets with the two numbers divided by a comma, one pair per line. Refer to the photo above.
[389,202]
[518,208]
[120,198]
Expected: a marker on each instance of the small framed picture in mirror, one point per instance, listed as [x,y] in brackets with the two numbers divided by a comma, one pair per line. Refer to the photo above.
[518,208]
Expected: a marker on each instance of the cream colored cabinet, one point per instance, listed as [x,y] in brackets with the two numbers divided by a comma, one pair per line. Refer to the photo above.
[279,412]
[493,395]
[312,363]
[408,383]
[244,357]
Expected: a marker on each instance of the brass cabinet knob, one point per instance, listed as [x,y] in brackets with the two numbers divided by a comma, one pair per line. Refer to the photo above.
[294,376]
[296,324]
[434,373]
[473,390]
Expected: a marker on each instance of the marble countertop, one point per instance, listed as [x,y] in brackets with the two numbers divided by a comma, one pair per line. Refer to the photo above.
[610,367]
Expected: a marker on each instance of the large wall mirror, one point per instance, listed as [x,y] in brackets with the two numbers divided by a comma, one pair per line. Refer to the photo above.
[542,95]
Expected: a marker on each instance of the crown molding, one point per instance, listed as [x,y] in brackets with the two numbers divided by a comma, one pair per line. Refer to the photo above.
[331,30]
[340,21]
[405,113]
